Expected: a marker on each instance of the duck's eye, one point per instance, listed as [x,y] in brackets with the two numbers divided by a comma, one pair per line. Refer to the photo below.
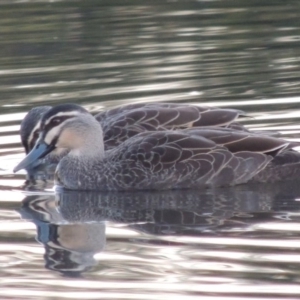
[55,121]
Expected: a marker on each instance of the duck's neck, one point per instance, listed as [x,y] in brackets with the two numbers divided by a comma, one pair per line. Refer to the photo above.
[87,153]
[92,146]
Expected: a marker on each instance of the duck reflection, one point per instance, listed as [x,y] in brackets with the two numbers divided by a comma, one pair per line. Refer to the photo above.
[69,247]
[71,225]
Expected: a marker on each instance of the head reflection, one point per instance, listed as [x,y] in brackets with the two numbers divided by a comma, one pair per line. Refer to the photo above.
[69,247]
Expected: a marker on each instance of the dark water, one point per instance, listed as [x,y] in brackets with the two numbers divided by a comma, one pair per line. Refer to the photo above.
[235,243]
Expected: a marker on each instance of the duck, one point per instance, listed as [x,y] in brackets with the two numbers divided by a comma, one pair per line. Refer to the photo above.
[123,122]
[197,157]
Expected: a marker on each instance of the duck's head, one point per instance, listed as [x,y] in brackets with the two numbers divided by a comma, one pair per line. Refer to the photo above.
[30,127]
[63,126]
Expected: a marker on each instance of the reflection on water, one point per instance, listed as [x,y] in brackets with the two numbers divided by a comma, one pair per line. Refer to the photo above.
[229,243]
[166,236]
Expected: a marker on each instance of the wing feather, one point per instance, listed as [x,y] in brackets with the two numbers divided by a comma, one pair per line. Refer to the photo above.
[237,141]
[122,123]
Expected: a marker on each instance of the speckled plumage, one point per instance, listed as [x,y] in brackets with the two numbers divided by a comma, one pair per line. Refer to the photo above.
[189,158]
[161,160]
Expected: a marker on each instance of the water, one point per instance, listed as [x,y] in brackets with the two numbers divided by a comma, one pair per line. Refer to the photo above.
[233,243]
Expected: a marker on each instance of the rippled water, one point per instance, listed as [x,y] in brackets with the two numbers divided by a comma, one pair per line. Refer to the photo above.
[231,243]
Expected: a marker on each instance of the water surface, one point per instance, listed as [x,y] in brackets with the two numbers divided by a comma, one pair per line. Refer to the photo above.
[233,243]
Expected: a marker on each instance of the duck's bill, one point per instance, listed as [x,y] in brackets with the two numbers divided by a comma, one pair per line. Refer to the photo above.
[40,150]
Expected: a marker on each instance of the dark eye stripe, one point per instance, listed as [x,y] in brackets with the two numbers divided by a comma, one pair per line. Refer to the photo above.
[55,122]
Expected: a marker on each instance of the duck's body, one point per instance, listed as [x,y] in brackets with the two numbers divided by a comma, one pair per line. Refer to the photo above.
[190,158]
[160,160]
[120,123]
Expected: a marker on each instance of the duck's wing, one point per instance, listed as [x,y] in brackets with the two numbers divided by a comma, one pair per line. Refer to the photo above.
[285,163]
[238,141]
[284,166]
[127,124]
[172,159]
[119,110]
